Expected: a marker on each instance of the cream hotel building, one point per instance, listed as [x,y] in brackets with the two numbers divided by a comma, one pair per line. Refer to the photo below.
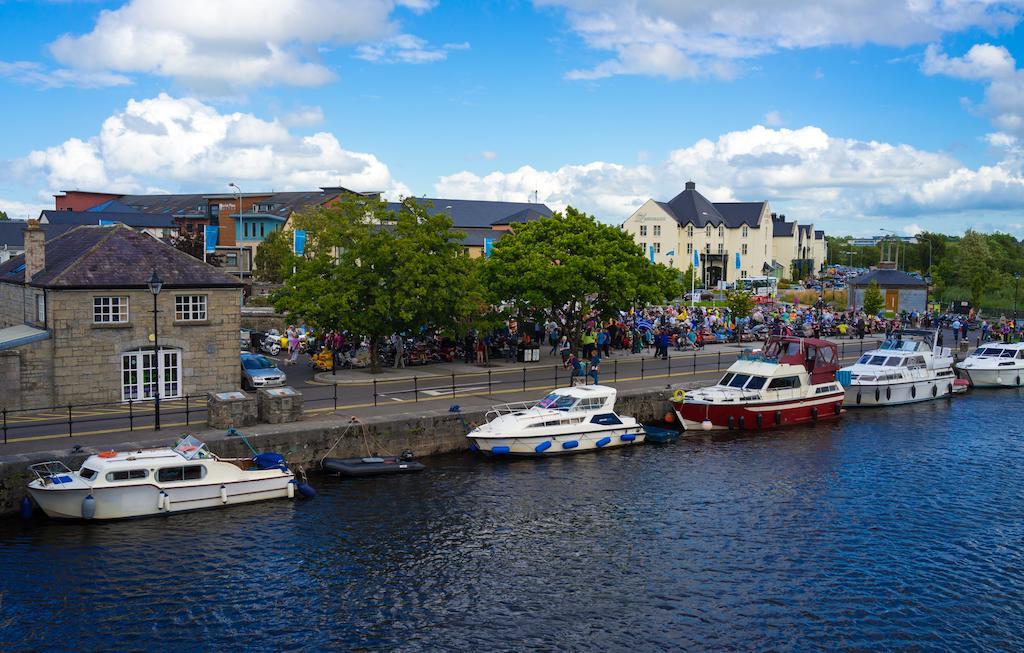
[767,243]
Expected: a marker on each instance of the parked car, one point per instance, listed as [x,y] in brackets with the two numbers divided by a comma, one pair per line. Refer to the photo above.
[699,295]
[260,372]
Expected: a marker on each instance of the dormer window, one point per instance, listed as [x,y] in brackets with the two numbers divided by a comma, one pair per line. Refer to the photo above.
[721,231]
[262,208]
[689,231]
[744,231]
[707,231]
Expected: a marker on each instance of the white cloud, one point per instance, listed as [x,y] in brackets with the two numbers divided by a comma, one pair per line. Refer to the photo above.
[845,185]
[1004,94]
[18,210]
[773,118]
[166,141]
[913,229]
[304,117]
[488,155]
[229,44]
[35,74]
[405,48]
[708,37]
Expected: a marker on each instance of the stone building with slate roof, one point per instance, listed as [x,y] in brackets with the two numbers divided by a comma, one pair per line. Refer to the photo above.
[76,320]
[718,232]
[902,291]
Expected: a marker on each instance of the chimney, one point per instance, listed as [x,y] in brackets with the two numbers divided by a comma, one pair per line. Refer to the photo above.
[35,249]
[691,186]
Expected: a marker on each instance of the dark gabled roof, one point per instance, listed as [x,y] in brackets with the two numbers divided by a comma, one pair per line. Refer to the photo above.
[114,206]
[77,218]
[115,257]
[782,228]
[480,214]
[180,205]
[282,205]
[805,230]
[475,237]
[887,279]
[819,234]
[12,232]
[690,207]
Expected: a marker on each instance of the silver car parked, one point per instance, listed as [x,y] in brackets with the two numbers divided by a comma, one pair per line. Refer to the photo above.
[260,372]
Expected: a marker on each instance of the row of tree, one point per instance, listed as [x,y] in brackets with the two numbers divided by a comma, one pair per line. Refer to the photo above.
[983,268]
[374,271]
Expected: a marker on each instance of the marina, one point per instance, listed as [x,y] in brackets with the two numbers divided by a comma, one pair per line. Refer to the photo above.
[792,538]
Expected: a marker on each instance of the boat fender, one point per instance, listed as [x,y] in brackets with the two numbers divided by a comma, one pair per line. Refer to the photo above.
[88,507]
[888,393]
[306,490]
[603,441]
[878,394]
[167,502]
[706,425]
[731,420]
[837,408]
[291,489]
[627,437]
[778,417]
[26,508]
[223,494]
[1018,379]
[814,414]
[743,420]
[543,446]
[497,451]
[161,500]
[935,391]
[679,395]
[571,444]
[913,392]
[669,417]
[949,388]
[760,420]
[858,397]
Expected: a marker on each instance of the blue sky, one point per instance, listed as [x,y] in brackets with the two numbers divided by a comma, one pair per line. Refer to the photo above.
[874,114]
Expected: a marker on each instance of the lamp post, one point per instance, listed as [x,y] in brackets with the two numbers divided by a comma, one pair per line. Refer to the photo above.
[155,285]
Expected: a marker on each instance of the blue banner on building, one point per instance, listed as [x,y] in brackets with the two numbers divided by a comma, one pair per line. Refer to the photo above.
[210,238]
[651,248]
[696,260]
[300,242]
[737,260]
[488,245]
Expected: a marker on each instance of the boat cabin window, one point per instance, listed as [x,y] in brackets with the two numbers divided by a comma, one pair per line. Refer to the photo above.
[792,348]
[739,380]
[865,360]
[1006,353]
[186,473]
[894,361]
[877,360]
[557,402]
[916,362]
[784,383]
[726,379]
[87,474]
[987,351]
[590,403]
[127,475]
[756,382]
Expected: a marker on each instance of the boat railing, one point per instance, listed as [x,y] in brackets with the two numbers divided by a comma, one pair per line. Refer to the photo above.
[46,472]
[758,357]
[509,409]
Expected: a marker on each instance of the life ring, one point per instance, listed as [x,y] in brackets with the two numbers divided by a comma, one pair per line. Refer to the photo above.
[107,454]
[678,396]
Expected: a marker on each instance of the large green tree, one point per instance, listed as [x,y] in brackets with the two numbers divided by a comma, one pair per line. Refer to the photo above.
[573,267]
[3,216]
[375,271]
[274,259]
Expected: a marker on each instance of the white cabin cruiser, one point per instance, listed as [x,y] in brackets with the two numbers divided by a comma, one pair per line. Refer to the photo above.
[907,368]
[995,365]
[581,418]
[116,485]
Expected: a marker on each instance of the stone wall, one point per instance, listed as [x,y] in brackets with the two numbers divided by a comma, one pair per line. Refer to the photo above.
[263,319]
[87,356]
[13,299]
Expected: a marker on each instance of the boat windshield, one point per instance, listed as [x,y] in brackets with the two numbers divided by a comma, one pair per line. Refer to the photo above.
[902,345]
[990,351]
[557,402]
[869,359]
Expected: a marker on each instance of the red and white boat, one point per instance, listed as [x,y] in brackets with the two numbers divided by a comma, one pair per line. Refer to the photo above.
[790,381]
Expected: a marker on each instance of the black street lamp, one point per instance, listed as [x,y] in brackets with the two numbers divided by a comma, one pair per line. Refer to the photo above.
[155,285]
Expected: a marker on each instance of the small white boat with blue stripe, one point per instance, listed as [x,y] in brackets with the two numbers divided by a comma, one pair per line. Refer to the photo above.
[568,420]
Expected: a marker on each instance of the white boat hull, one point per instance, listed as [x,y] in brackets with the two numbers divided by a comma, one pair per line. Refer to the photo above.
[553,445]
[1009,377]
[144,499]
[895,394]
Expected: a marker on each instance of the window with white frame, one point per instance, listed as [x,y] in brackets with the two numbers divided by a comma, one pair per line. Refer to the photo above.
[40,307]
[657,248]
[689,231]
[643,230]
[657,230]
[721,231]
[643,246]
[744,231]
[689,248]
[109,310]
[743,249]
[189,308]
[743,274]
[707,231]
[721,248]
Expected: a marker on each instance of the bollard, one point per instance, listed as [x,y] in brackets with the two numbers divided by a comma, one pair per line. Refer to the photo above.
[670,367]
[186,411]
[335,396]
[556,376]
[453,385]
[375,392]
[641,369]
[416,388]
[69,421]
[694,362]
[718,365]
[524,379]
[615,368]
[489,382]
[131,417]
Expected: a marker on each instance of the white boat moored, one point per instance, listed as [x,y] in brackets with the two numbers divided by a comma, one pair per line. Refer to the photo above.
[116,485]
[995,365]
[907,368]
[568,420]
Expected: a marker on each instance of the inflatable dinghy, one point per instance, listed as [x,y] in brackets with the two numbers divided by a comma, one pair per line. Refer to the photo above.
[659,435]
[372,465]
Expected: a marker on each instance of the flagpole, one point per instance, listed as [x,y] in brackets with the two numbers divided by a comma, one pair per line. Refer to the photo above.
[693,281]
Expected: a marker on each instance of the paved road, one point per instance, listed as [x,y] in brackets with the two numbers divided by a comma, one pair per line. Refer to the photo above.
[359,393]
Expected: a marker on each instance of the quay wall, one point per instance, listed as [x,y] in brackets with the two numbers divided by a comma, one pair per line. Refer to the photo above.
[425,432]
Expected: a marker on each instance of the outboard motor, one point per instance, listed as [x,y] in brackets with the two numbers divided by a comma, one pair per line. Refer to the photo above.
[407,455]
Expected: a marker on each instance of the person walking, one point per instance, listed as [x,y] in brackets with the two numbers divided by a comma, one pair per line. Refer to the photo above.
[575,368]
[468,347]
[480,351]
[595,367]
[399,343]
[564,348]
[293,345]
[603,342]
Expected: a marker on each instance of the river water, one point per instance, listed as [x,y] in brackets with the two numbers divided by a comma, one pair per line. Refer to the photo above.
[894,529]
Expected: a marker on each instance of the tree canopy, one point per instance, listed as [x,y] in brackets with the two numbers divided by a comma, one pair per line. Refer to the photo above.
[574,267]
[274,258]
[873,300]
[376,272]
